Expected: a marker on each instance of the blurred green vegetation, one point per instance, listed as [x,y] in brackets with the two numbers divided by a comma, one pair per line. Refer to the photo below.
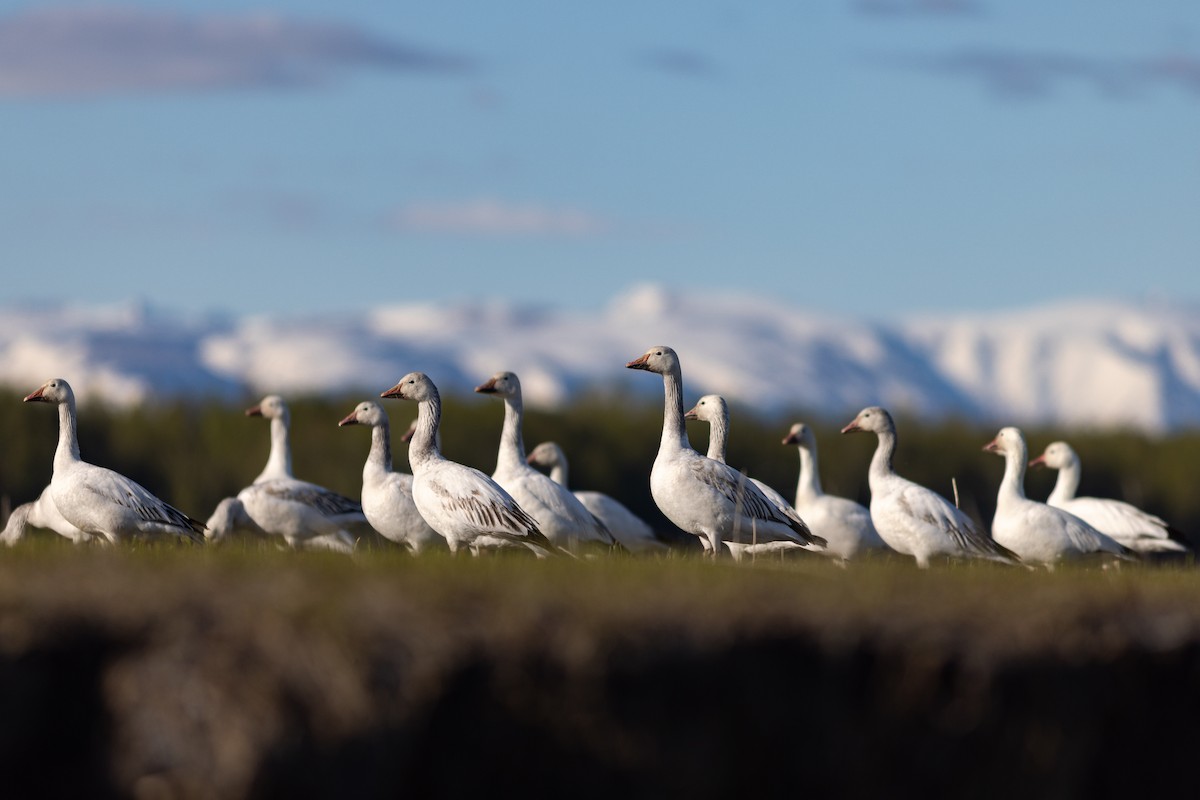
[195,453]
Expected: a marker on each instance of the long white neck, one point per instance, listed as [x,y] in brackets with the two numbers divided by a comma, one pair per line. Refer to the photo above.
[279,462]
[559,471]
[511,456]
[379,459]
[423,447]
[1012,486]
[674,433]
[718,437]
[1067,483]
[881,462]
[68,441]
[808,487]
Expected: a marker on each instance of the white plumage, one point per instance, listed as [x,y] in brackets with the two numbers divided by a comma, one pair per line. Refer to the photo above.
[713,409]
[459,502]
[1131,526]
[1035,531]
[845,524]
[701,496]
[626,527]
[912,519]
[559,514]
[41,513]
[387,497]
[99,501]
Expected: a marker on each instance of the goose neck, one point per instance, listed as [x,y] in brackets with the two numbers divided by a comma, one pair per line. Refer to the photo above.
[808,486]
[674,434]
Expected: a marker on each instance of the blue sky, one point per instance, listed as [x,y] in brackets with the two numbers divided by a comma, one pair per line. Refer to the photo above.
[872,157]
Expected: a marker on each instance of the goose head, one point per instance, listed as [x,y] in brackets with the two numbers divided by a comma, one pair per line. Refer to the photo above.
[1009,441]
[504,384]
[409,431]
[546,454]
[415,386]
[709,408]
[55,390]
[801,435]
[873,419]
[270,407]
[1057,455]
[368,412]
[660,359]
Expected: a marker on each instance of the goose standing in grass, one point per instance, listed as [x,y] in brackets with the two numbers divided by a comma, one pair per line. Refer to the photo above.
[387,498]
[99,501]
[41,513]
[1035,531]
[459,502]
[914,520]
[701,496]
[1128,524]
[626,527]
[302,513]
[713,409]
[560,516]
[845,524]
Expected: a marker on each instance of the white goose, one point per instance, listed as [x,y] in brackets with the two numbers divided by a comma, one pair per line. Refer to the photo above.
[459,502]
[1128,524]
[1035,531]
[99,501]
[386,494]
[703,497]
[302,513]
[713,409]
[626,527]
[914,520]
[845,524]
[559,514]
[41,513]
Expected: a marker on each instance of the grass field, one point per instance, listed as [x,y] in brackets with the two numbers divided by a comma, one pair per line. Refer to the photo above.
[186,672]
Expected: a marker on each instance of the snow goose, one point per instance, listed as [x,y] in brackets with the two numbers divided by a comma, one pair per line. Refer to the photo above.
[914,520]
[41,513]
[713,409]
[1128,524]
[701,496]
[626,527]
[1035,531]
[559,514]
[845,524]
[302,513]
[99,501]
[459,502]
[386,494]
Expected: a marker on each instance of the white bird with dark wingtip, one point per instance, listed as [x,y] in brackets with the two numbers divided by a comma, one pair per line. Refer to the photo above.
[912,519]
[845,524]
[304,514]
[97,500]
[459,502]
[1136,529]
[41,513]
[559,514]
[626,527]
[387,498]
[713,409]
[701,496]
[1035,531]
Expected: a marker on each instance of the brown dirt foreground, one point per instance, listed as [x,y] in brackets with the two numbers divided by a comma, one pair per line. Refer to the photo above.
[187,673]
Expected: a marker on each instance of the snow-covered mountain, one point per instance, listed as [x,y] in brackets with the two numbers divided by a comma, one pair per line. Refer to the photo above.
[1074,364]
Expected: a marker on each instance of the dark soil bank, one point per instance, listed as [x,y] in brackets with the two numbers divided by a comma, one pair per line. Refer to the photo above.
[190,674]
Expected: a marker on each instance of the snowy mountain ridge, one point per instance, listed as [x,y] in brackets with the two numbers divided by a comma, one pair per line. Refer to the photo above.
[1079,363]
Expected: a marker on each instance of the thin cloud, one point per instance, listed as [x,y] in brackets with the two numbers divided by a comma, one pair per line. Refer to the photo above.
[688,63]
[100,50]
[486,217]
[1028,74]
